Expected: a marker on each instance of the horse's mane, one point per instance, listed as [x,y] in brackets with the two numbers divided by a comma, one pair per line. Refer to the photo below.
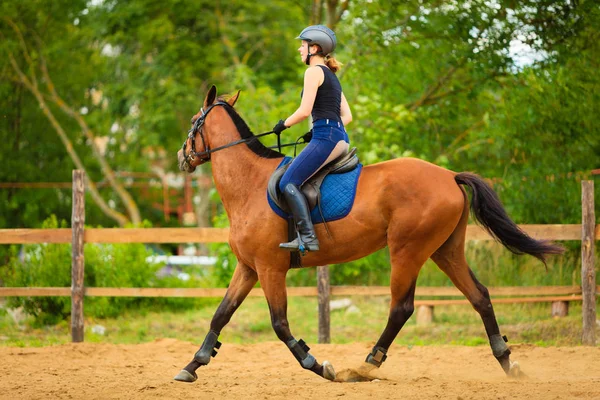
[255,145]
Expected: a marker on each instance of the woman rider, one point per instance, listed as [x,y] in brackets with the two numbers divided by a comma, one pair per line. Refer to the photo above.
[323,98]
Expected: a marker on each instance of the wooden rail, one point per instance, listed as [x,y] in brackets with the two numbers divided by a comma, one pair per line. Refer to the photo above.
[117,235]
[221,235]
[544,293]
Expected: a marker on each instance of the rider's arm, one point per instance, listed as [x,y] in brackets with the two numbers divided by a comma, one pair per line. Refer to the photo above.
[313,77]
[345,112]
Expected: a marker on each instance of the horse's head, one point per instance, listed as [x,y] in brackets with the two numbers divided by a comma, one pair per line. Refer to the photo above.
[196,148]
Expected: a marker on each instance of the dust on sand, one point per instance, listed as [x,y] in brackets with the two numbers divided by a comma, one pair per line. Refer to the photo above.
[269,371]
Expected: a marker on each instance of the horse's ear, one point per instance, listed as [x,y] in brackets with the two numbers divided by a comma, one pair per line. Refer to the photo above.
[233,99]
[210,96]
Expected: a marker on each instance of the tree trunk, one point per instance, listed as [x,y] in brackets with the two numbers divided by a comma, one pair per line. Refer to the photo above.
[334,12]
[316,12]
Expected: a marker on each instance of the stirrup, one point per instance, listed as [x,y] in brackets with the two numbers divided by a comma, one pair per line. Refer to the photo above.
[302,247]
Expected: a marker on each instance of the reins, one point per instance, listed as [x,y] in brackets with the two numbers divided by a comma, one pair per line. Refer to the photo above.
[278,146]
[205,155]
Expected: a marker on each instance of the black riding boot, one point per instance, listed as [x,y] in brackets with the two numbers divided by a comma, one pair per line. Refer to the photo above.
[306,240]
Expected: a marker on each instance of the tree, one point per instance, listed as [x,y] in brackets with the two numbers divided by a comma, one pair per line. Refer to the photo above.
[503,88]
[334,10]
[36,65]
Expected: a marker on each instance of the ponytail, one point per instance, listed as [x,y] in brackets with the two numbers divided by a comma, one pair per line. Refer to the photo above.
[333,64]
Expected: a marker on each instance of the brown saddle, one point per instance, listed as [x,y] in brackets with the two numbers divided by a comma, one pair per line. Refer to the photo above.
[312,188]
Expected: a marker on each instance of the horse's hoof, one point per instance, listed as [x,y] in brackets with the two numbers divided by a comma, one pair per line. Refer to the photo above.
[185,376]
[515,370]
[328,371]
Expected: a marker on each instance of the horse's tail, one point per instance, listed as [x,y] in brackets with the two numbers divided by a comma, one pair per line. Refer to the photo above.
[488,210]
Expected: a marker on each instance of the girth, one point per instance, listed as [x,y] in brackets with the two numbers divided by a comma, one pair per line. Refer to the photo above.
[312,188]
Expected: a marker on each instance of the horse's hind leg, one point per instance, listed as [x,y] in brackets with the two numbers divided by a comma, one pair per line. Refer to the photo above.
[405,269]
[241,283]
[450,258]
[273,284]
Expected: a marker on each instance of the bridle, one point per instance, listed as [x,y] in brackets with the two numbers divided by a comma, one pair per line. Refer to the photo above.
[204,156]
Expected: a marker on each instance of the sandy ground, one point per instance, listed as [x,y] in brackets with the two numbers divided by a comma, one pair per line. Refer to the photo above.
[268,371]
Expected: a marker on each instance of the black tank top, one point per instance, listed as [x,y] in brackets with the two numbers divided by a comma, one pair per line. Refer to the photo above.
[329,98]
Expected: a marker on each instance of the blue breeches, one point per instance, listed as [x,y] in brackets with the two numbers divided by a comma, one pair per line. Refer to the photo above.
[329,141]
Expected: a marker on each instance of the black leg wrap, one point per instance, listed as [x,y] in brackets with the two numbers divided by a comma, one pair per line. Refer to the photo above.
[300,350]
[377,356]
[498,345]
[208,348]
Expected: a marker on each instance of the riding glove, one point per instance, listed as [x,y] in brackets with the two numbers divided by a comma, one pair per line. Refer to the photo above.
[280,127]
[307,136]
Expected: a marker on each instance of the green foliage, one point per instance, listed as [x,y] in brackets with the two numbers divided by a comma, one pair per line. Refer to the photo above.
[493,265]
[117,265]
[373,270]
[106,265]
[41,265]
[500,88]
[44,265]
[446,82]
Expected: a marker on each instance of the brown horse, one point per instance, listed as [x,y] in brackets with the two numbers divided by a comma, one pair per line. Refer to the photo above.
[417,209]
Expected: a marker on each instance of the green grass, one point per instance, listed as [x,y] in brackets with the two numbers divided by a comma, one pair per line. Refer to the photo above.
[459,325]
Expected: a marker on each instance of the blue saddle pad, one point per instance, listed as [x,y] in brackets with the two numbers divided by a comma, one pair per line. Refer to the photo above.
[337,195]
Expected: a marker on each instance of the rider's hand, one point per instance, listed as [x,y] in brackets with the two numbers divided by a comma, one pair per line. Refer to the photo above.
[307,136]
[280,127]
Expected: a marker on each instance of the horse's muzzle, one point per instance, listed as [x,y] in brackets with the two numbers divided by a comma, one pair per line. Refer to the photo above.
[183,164]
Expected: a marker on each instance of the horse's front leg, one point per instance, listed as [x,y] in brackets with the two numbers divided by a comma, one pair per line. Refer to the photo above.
[273,284]
[242,282]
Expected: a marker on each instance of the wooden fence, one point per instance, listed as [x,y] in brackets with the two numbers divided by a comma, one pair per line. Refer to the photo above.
[588,232]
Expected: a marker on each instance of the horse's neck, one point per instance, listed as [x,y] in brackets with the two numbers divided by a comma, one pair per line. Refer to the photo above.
[239,175]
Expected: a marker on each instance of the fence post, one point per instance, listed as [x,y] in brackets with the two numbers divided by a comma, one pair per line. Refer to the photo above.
[77,265]
[424,315]
[588,272]
[559,309]
[323,299]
